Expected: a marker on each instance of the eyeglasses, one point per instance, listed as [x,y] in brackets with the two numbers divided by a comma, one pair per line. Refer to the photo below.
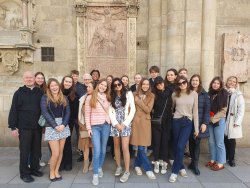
[117,85]
[182,83]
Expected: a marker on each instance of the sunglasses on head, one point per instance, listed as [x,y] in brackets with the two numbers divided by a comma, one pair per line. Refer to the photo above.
[117,85]
[182,83]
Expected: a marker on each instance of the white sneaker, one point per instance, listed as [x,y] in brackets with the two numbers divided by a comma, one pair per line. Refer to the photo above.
[151,175]
[138,171]
[183,173]
[164,168]
[171,162]
[157,167]
[172,178]
[149,152]
[125,177]
[100,173]
[95,180]
[118,171]
[41,163]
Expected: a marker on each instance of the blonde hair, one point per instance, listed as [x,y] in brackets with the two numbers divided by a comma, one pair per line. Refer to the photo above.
[61,99]
[93,100]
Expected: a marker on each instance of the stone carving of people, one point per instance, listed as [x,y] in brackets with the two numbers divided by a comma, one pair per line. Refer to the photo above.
[120,47]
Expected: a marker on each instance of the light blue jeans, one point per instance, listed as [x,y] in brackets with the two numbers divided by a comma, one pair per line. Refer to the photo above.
[216,142]
[100,135]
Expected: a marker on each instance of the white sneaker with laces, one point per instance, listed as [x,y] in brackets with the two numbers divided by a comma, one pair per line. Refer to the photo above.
[151,175]
[138,171]
[118,171]
[157,167]
[172,178]
[125,177]
[183,173]
[164,168]
[95,180]
[100,173]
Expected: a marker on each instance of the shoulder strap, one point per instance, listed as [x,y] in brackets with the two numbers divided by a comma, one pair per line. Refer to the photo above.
[102,106]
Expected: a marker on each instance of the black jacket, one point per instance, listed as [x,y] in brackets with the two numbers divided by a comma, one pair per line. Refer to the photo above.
[25,108]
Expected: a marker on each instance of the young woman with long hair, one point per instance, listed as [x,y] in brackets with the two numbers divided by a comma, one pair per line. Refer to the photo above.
[125,81]
[234,118]
[141,129]
[86,140]
[121,113]
[98,125]
[69,90]
[40,81]
[204,118]
[219,101]
[56,111]
[185,107]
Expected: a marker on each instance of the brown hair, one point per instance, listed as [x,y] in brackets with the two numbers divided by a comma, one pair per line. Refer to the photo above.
[177,89]
[139,91]
[199,89]
[93,100]
[74,72]
[211,83]
[43,87]
[72,89]
[175,73]
[182,69]
[60,99]
[154,68]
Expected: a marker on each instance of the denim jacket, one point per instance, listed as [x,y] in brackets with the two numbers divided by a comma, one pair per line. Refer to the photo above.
[49,115]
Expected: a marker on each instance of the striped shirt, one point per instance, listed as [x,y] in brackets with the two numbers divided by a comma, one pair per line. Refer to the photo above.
[96,116]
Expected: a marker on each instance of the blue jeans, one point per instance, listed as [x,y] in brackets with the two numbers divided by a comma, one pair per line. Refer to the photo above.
[182,128]
[100,135]
[216,142]
[142,159]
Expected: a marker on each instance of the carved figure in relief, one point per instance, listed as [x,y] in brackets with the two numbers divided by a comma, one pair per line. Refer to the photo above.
[120,47]
[103,42]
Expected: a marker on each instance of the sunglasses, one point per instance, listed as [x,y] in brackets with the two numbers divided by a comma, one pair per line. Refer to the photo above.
[182,83]
[117,85]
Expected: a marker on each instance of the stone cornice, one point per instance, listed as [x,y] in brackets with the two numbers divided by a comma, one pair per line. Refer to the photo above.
[132,8]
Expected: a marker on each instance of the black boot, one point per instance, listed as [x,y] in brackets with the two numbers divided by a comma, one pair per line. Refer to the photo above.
[196,169]
[191,165]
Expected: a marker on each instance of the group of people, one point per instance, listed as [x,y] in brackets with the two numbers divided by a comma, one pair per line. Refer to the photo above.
[161,115]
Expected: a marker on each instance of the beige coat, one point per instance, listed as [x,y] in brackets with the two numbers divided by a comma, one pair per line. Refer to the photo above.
[235,115]
[141,125]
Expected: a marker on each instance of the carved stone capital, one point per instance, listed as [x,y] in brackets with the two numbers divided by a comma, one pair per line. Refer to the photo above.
[132,8]
[80,7]
[25,1]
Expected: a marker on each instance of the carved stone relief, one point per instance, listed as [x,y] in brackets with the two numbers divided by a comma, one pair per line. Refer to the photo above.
[236,56]
[10,59]
[10,15]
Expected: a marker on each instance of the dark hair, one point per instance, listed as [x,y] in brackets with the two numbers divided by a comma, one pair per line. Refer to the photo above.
[211,83]
[110,76]
[139,91]
[177,89]
[114,94]
[172,70]
[199,89]
[95,70]
[43,87]
[74,72]
[182,69]
[72,89]
[154,68]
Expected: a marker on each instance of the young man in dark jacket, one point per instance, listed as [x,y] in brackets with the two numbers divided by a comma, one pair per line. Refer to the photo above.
[23,121]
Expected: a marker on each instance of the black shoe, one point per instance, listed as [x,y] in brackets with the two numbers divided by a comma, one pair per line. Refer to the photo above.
[196,171]
[37,173]
[68,167]
[232,163]
[27,179]
[80,159]
[59,178]
[52,179]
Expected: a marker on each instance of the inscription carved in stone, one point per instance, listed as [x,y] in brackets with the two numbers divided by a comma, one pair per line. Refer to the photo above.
[10,15]
[236,56]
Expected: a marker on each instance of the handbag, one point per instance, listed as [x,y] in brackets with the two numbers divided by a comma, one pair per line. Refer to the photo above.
[158,120]
[42,121]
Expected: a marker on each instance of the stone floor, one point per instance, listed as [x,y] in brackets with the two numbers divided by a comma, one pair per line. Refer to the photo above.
[237,177]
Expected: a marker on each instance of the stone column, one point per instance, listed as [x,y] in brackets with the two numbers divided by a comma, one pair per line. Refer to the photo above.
[81,9]
[154,33]
[25,13]
[175,33]
[208,41]
[132,11]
